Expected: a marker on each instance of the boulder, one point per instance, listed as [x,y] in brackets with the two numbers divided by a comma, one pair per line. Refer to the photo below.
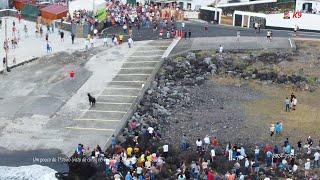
[207,61]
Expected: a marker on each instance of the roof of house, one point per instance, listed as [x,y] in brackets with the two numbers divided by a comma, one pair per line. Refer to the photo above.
[55,9]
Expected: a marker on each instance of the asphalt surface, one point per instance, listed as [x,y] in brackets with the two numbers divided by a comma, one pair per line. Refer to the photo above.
[197,30]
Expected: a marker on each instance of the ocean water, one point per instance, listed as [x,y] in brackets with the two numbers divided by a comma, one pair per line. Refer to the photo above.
[32,172]
[31,165]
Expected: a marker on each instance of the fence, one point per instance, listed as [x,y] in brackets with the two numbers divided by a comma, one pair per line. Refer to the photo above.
[8,12]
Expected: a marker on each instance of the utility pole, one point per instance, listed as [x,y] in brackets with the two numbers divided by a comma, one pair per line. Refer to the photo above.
[6,43]
[93,6]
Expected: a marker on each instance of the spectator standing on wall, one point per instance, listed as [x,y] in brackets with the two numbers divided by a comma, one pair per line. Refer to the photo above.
[269,36]
[295,30]
[256,27]
[72,37]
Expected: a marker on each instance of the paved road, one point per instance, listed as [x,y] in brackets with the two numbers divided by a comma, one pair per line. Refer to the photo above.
[214,31]
[231,43]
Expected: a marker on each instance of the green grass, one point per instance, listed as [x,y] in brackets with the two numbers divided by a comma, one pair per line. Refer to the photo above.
[304,121]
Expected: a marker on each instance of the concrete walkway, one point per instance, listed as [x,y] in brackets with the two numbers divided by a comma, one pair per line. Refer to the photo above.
[116,102]
[231,43]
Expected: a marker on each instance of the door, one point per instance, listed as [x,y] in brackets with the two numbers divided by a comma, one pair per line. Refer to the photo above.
[245,21]
[237,20]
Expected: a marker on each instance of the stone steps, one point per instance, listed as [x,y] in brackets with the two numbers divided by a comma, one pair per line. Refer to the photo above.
[120,94]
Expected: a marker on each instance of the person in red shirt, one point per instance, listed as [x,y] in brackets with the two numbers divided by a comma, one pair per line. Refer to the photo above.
[214,142]
[210,175]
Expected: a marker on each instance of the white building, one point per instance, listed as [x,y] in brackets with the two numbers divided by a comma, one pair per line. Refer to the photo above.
[311,6]
[4,4]
[184,4]
[235,3]
[194,4]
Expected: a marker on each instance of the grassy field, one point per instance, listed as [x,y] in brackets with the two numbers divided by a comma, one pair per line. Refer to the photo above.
[269,108]
[302,122]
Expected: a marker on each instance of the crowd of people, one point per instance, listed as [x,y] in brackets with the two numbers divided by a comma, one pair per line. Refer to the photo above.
[143,157]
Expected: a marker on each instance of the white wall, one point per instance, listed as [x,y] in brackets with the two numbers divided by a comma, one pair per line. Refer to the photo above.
[307,21]
[4,4]
[315,4]
[86,4]
[195,3]
[201,3]
[191,14]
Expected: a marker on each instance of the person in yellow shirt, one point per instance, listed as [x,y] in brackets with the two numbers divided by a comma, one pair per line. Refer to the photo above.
[120,39]
[142,158]
[129,151]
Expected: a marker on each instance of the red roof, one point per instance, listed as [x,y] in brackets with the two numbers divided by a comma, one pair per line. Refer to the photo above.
[55,9]
[25,1]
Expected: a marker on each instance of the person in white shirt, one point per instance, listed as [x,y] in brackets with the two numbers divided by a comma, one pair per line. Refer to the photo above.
[117,177]
[133,160]
[220,49]
[256,152]
[130,42]
[241,177]
[199,144]
[272,130]
[165,150]
[115,41]
[295,29]
[86,43]
[307,167]
[105,41]
[206,141]
[238,35]
[95,32]
[269,36]
[107,161]
[139,171]
[213,154]
[243,152]
[247,165]
[230,152]
[150,130]
[294,168]
[316,159]
[294,103]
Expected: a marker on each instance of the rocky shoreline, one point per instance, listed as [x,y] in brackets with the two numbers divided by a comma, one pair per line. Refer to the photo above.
[172,88]
[171,104]
[185,99]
